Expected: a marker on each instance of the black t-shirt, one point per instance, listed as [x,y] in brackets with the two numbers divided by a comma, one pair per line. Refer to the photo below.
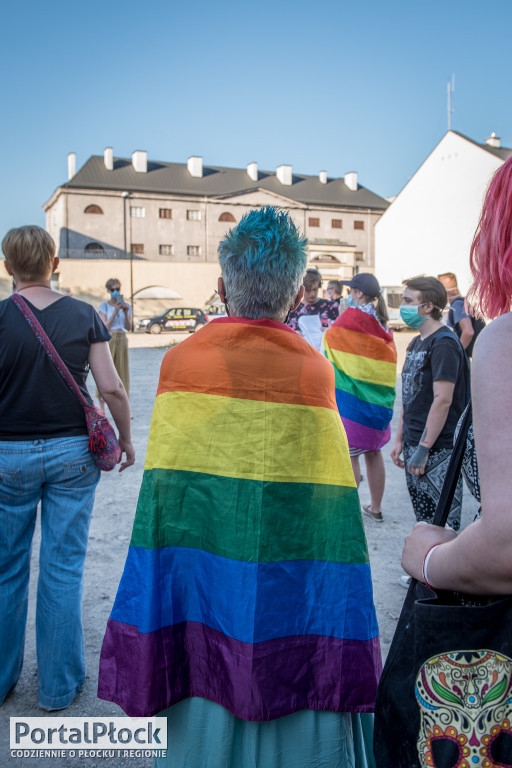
[35,403]
[439,357]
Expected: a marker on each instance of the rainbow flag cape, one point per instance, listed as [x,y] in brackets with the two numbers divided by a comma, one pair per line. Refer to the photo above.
[247,581]
[364,359]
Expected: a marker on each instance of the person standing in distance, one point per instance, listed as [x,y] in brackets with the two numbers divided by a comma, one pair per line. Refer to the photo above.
[333,291]
[457,317]
[117,314]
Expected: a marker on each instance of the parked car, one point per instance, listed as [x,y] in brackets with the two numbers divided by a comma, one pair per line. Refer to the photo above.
[176,319]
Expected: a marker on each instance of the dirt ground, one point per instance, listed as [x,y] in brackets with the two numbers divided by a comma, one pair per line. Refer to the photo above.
[110,533]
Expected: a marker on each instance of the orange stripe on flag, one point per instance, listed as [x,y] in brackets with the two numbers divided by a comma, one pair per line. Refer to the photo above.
[251,363]
[356,343]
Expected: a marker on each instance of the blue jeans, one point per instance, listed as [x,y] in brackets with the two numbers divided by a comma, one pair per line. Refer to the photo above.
[61,475]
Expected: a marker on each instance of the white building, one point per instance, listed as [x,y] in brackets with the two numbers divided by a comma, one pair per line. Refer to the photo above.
[429,227]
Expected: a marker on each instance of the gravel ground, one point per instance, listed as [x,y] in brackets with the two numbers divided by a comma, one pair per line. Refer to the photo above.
[108,544]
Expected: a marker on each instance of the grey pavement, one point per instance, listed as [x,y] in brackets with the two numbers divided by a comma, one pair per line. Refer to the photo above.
[110,533]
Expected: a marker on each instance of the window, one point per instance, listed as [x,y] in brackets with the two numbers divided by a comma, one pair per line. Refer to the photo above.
[336,223]
[358,224]
[359,256]
[314,222]
[137,247]
[165,213]
[94,249]
[326,258]
[165,250]
[194,215]
[193,250]
[226,217]
[394,299]
[136,212]
[93,209]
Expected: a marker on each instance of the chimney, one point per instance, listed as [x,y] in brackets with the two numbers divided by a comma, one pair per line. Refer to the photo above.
[350,180]
[493,140]
[71,165]
[323,177]
[108,156]
[140,161]
[195,166]
[252,171]
[284,174]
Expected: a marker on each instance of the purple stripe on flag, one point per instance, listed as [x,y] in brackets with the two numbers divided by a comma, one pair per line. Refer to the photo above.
[360,436]
[146,673]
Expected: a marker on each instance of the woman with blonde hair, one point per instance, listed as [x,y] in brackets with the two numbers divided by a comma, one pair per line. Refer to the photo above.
[45,460]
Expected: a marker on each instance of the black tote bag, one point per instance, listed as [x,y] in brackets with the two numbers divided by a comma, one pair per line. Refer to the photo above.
[445,694]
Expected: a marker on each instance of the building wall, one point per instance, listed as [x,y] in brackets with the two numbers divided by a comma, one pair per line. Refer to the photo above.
[194,282]
[73,229]
[429,227]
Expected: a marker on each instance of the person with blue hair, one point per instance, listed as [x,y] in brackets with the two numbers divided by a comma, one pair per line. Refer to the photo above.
[245,613]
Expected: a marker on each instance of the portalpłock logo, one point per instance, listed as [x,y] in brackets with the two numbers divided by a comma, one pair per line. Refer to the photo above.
[88,737]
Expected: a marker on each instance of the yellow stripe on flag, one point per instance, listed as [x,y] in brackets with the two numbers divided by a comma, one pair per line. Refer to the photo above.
[250,439]
[363,368]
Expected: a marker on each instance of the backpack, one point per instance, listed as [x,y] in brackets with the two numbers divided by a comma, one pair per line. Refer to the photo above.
[477,323]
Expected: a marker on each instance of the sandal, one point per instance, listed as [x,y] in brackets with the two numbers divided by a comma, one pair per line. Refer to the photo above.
[377,516]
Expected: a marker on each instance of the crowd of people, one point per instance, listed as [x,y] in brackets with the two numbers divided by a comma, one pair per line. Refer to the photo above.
[245,611]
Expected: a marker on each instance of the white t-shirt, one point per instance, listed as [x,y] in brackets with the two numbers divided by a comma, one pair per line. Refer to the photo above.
[118,322]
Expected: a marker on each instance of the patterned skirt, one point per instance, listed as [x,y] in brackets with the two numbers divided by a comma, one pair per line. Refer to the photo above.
[425,490]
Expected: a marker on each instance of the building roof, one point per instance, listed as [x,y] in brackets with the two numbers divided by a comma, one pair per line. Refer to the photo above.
[218,182]
[502,152]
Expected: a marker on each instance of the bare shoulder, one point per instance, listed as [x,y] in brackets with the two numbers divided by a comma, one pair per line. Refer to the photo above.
[497,332]
[491,387]
[493,348]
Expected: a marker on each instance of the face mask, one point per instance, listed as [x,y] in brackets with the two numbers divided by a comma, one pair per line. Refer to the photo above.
[410,315]
[115,294]
[349,301]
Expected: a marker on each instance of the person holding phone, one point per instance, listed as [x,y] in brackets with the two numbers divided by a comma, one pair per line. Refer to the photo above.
[117,316]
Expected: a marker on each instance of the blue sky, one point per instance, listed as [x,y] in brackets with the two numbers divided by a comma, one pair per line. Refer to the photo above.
[339,86]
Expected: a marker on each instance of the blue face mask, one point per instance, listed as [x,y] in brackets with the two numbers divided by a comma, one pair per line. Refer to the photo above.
[410,315]
[115,294]
[349,301]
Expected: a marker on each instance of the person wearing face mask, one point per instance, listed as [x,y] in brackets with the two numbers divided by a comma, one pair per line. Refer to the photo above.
[117,316]
[435,392]
[361,348]
[333,291]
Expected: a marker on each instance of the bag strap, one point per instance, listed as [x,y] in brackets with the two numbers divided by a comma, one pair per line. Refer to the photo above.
[452,473]
[48,347]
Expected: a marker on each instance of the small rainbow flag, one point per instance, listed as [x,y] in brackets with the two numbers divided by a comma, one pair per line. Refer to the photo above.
[247,581]
[364,359]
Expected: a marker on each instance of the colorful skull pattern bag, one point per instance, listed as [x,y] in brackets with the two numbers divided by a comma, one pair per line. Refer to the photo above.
[465,700]
[445,695]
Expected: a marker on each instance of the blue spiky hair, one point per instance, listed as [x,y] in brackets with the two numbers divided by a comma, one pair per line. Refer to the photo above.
[263,260]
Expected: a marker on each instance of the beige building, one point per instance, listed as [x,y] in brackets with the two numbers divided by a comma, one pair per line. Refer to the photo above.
[156,223]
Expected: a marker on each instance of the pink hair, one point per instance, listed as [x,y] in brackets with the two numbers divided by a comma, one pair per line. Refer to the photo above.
[491,251]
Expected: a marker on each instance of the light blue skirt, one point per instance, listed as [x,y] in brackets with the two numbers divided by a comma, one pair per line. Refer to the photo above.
[202,734]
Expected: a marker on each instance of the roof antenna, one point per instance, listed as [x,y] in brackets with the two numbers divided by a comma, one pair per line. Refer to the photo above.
[450,89]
